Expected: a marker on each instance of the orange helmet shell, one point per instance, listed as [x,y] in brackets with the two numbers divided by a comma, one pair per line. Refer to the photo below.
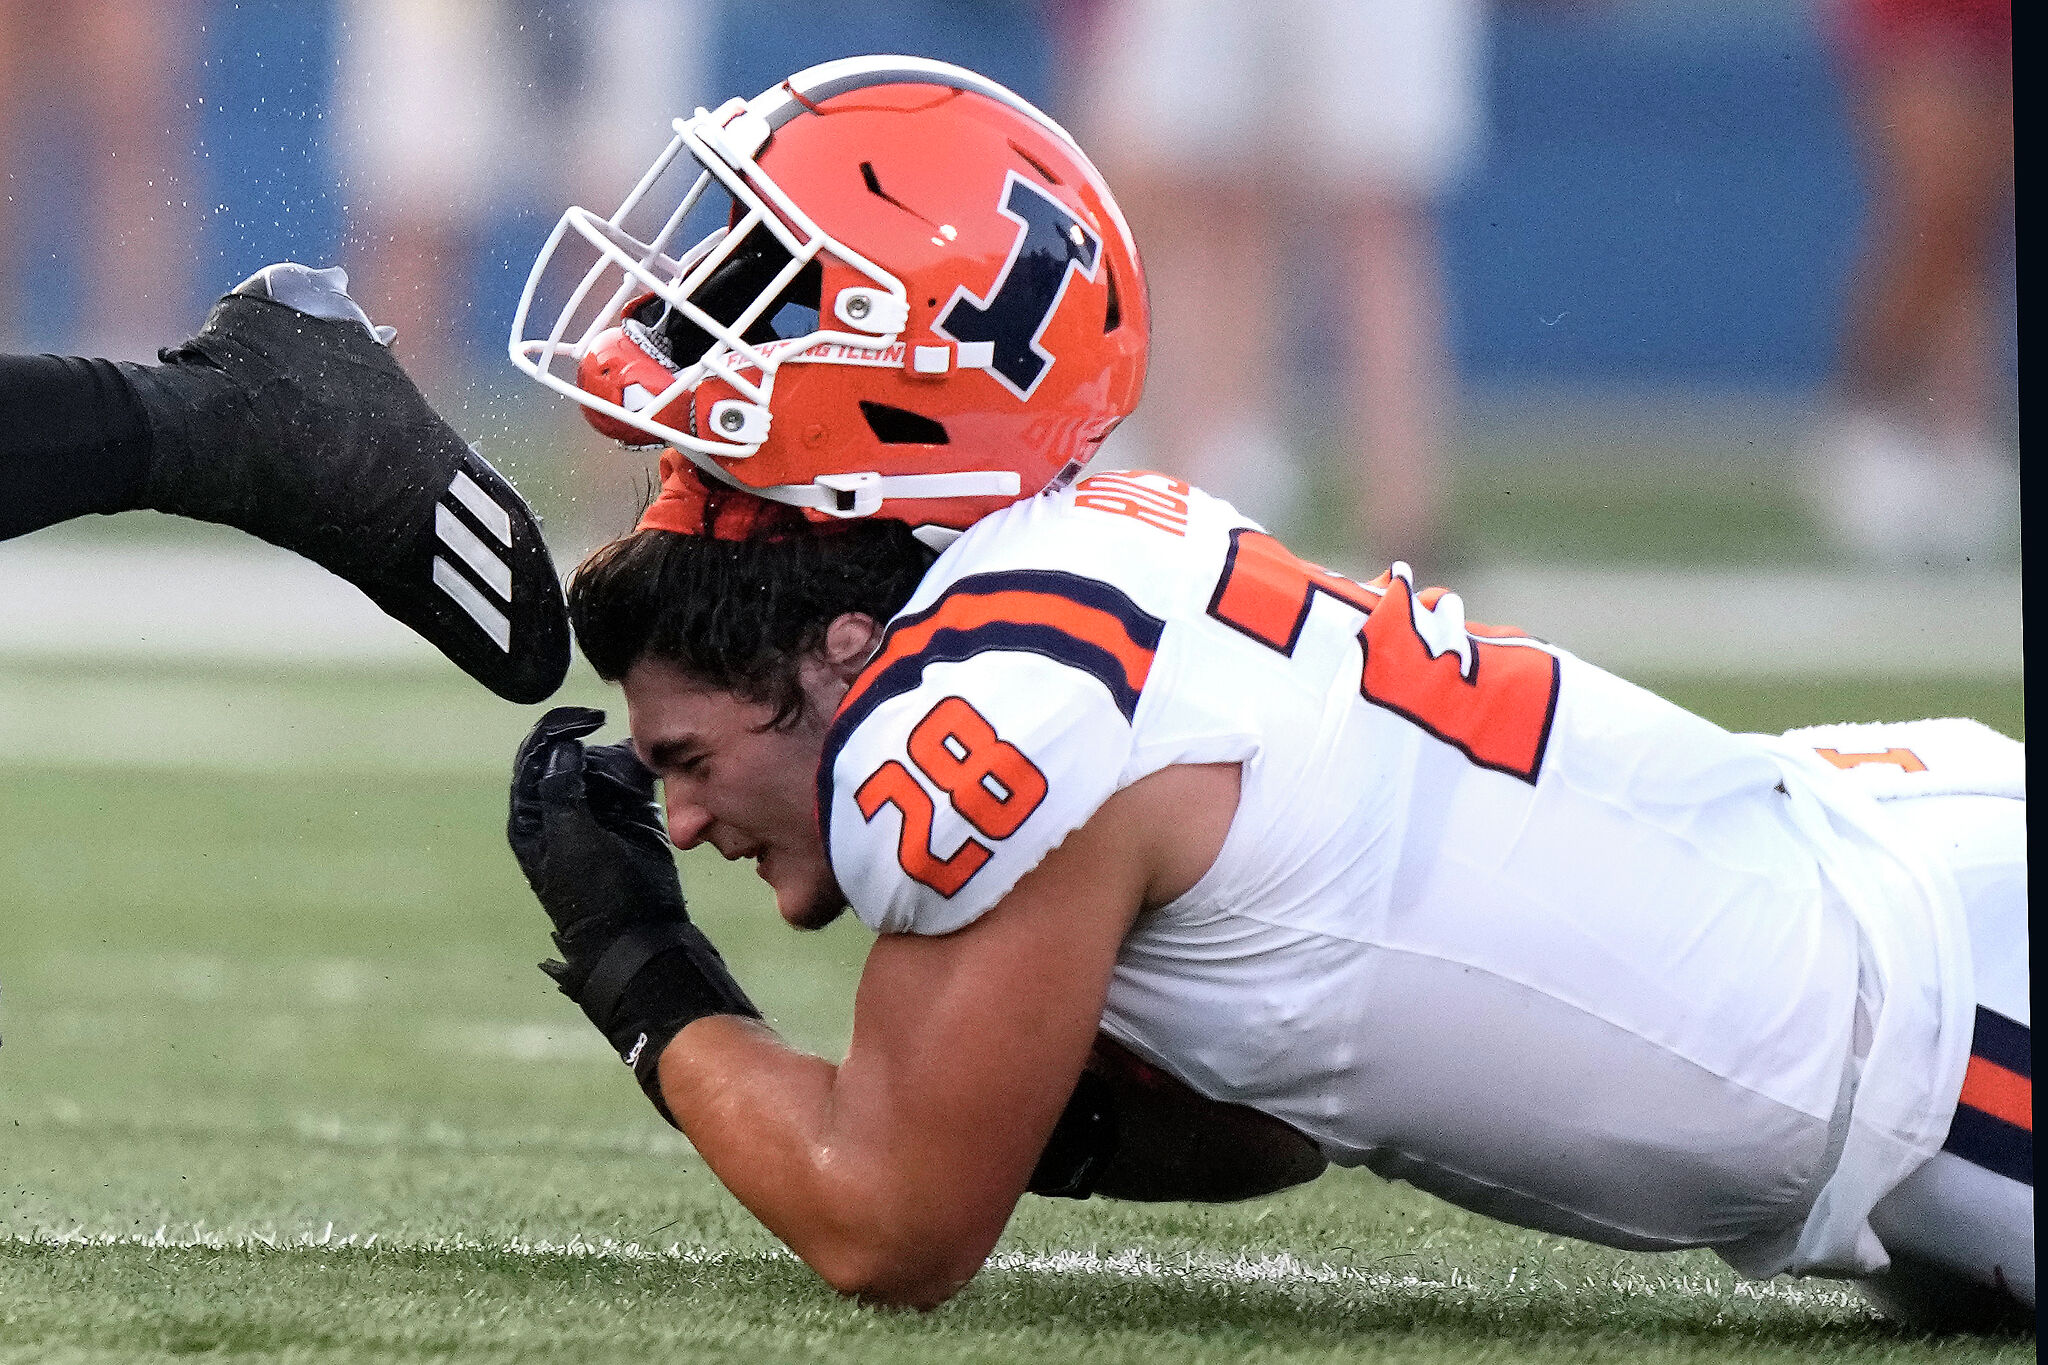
[946,206]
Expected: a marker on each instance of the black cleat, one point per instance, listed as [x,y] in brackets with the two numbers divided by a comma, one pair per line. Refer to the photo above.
[287,417]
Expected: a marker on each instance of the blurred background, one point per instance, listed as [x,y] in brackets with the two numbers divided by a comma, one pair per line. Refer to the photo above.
[1680,332]
[1586,281]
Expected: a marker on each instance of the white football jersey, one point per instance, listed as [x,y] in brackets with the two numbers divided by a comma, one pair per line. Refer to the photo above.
[1488,919]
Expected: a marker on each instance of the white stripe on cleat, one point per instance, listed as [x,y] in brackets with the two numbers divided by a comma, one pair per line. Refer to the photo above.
[471,550]
[493,622]
[495,519]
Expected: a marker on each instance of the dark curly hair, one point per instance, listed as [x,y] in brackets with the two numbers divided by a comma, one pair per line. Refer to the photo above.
[738,615]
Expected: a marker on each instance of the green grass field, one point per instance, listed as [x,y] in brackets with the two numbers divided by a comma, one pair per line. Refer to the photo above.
[279,1082]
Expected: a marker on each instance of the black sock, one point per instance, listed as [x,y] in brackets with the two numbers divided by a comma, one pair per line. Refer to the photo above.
[73,439]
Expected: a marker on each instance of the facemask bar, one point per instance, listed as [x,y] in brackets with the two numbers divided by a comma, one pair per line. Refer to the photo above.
[640,263]
[725,153]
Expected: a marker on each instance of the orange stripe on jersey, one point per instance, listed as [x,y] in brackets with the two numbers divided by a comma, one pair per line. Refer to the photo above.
[1080,622]
[1013,607]
[2003,1094]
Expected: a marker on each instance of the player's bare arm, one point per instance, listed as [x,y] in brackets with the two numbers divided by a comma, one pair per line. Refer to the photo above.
[893,1173]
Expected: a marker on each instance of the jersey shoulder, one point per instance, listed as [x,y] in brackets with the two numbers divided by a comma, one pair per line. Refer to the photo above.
[994,720]
[1001,710]
[1149,535]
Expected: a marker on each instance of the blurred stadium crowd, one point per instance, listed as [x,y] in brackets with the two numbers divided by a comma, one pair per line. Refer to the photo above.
[1367,225]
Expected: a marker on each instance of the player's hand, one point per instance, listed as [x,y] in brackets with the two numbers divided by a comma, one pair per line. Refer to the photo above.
[589,837]
[586,830]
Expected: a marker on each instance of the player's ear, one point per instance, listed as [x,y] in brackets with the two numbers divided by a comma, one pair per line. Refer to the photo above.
[850,641]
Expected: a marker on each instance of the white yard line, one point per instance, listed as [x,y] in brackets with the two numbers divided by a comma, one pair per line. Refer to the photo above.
[1134,1264]
[257,604]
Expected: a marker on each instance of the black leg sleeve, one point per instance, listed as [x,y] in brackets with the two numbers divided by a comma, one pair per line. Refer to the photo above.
[73,439]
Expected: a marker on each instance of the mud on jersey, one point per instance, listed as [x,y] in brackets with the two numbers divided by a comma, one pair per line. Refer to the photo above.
[1488,919]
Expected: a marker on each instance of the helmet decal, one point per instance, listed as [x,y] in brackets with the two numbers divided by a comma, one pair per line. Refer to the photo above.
[1052,246]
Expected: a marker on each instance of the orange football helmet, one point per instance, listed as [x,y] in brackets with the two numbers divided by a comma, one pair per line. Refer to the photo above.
[923,302]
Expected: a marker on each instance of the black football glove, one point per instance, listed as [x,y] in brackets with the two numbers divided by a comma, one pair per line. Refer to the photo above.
[591,841]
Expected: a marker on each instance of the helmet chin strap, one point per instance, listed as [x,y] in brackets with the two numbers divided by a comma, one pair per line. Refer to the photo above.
[862,494]
[847,496]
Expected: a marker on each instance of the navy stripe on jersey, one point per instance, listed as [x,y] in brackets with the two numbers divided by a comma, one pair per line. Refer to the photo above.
[1083,623]
[2005,1041]
[1999,1147]
[1994,1122]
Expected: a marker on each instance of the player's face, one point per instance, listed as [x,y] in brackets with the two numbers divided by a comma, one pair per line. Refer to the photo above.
[730,781]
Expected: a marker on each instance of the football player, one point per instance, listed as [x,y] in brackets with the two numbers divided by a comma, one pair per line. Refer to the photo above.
[1099,758]
[287,417]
